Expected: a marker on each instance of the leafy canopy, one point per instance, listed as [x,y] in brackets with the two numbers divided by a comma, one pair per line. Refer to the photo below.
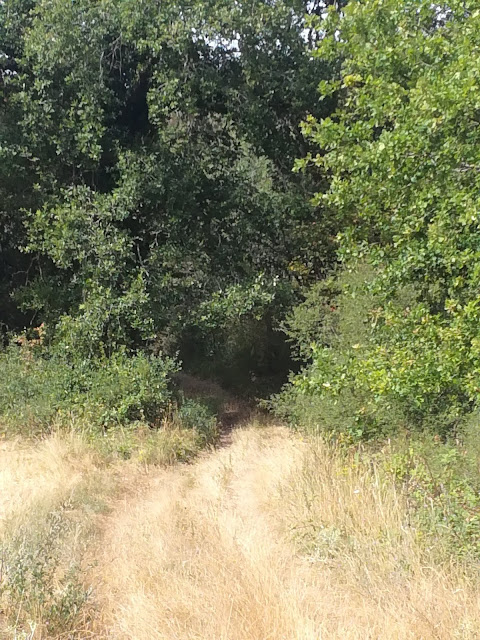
[149,148]
[402,153]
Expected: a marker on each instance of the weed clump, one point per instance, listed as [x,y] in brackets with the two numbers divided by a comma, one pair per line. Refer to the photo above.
[41,577]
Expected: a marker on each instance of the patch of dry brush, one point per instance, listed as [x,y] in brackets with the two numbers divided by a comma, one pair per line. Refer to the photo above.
[271,538]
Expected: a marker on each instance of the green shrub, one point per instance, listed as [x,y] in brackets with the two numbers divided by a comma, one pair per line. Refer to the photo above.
[315,320]
[401,154]
[365,376]
[431,450]
[441,483]
[329,330]
[186,429]
[194,415]
[38,390]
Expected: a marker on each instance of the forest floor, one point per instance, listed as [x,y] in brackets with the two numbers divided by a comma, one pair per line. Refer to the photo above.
[267,537]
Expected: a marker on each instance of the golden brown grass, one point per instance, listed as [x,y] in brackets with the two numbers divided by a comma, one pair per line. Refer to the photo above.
[48,493]
[54,494]
[44,472]
[377,578]
[270,538]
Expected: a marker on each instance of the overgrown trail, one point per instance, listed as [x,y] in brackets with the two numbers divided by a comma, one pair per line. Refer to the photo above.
[197,555]
[271,538]
[265,538]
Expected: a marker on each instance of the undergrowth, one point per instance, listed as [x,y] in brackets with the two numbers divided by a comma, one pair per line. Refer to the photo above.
[39,389]
[441,483]
[41,574]
[185,430]
[433,457]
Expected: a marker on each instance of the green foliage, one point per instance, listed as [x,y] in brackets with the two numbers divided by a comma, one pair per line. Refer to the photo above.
[401,151]
[146,170]
[147,194]
[196,416]
[40,390]
[187,427]
[183,434]
[441,484]
[314,320]
[328,330]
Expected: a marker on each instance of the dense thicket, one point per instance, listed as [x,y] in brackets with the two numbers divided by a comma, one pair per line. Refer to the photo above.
[147,199]
[394,340]
[146,154]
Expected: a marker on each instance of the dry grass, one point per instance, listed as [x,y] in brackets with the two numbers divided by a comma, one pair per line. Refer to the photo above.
[43,472]
[50,495]
[193,557]
[270,538]
[377,578]
[54,494]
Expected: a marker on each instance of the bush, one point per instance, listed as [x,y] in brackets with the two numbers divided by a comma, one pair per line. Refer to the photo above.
[329,330]
[364,375]
[39,390]
[196,416]
[185,430]
[401,153]
[442,488]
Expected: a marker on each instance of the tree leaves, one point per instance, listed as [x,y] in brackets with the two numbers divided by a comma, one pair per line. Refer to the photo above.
[156,142]
[402,152]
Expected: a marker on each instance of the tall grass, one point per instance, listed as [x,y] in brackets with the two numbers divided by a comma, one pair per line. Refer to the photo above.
[270,538]
[381,576]
[55,493]
[274,538]
[50,494]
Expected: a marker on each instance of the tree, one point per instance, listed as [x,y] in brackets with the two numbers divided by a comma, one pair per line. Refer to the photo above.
[402,154]
[158,139]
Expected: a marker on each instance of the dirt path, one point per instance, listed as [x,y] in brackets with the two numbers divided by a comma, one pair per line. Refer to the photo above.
[231,411]
[197,556]
[268,538]
[206,552]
